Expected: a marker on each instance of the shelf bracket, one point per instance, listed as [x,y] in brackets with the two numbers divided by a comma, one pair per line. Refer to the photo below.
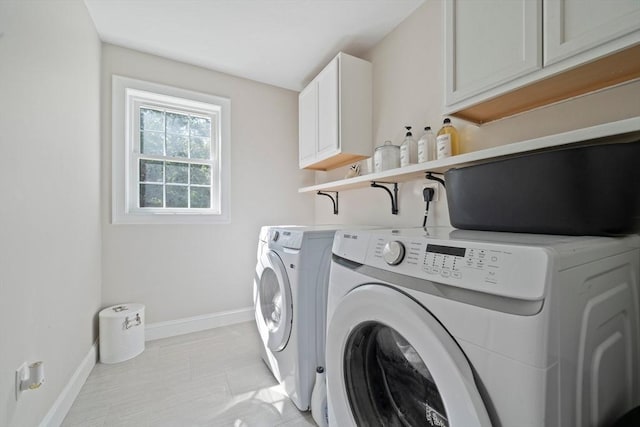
[429,175]
[394,195]
[334,201]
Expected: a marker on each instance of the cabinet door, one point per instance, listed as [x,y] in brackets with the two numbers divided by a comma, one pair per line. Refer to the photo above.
[308,124]
[328,123]
[489,43]
[575,26]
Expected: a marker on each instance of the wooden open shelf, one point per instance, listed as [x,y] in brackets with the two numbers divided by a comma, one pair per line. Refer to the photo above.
[627,130]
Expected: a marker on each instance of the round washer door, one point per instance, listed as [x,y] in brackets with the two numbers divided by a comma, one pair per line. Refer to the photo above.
[274,309]
[390,362]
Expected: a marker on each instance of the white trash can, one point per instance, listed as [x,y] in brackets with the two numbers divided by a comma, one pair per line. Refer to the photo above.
[121,332]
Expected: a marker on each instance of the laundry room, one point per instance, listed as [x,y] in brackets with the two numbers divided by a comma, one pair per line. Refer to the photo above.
[182,241]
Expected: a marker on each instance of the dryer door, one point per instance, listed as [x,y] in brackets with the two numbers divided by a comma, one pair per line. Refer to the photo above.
[391,363]
[274,307]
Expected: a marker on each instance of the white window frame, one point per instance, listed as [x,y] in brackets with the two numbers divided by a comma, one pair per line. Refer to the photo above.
[127,96]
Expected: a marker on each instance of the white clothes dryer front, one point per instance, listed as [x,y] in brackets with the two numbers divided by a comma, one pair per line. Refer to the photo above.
[290,297]
[442,327]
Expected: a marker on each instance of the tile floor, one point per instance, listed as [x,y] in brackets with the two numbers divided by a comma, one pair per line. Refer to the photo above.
[209,378]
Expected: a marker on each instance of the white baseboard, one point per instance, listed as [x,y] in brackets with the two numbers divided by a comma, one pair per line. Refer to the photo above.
[171,328]
[63,403]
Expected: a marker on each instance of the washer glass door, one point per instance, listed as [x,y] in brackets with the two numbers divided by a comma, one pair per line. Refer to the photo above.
[274,308]
[381,360]
[391,363]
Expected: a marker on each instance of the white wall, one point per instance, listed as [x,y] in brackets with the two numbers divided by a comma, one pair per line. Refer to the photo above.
[181,271]
[50,186]
[408,88]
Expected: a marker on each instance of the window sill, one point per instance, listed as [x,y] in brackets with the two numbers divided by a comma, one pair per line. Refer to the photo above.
[170,218]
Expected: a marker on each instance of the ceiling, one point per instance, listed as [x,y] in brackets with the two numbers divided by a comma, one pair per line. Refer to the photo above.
[280,42]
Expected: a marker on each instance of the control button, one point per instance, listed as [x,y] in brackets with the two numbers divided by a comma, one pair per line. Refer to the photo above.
[393,252]
[456,274]
[428,270]
[491,277]
[494,258]
[436,269]
[446,272]
[276,236]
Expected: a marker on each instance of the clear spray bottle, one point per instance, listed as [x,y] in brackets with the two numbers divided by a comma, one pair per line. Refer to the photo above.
[408,149]
[427,146]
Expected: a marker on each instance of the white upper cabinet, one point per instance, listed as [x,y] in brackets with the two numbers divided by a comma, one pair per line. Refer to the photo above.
[328,111]
[335,115]
[575,26]
[308,123]
[489,43]
[508,56]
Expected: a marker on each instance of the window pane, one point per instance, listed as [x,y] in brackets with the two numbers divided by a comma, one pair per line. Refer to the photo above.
[151,119]
[200,126]
[152,142]
[177,146]
[200,197]
[150,196]
[150,171]
[177,124]
[200,148]
[178,173]
[177,196]
[201,174]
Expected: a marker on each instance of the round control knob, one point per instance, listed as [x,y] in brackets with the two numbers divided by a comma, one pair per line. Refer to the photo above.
[393,252]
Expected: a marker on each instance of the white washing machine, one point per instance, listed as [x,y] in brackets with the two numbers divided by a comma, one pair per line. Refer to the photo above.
[442,327]
[290,297]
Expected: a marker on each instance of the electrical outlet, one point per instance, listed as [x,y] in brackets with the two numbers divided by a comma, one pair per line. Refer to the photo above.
[435,190]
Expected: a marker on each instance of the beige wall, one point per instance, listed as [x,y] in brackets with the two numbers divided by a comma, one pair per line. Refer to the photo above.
[408,76]
[50,187]
[180,271]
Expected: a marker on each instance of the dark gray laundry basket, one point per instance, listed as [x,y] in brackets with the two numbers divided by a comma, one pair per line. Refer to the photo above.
[587,190]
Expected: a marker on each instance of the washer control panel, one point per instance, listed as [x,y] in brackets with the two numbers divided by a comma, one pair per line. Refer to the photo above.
[509,270]
[285,238]
[458,262]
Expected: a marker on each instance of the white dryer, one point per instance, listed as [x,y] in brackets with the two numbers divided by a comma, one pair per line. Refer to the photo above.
[290,297]
[441,327]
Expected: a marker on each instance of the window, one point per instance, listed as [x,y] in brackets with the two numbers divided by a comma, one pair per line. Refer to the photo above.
[170,154]
[173,158]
